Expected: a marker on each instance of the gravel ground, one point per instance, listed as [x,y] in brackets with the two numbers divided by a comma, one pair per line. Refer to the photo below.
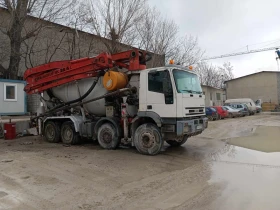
[208,172]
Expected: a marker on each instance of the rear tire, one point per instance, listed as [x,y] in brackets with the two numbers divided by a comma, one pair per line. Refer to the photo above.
[148,139]
[52,132]
[68,133]
[107,136]
[176,143]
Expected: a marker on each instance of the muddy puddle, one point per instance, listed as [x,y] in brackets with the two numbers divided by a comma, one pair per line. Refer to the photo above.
[248,169]
[264,138]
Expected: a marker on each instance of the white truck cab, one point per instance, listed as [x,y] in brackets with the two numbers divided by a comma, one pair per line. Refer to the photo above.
[173,97]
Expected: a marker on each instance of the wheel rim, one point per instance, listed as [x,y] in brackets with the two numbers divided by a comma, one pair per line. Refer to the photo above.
[106,136]
[50,132]
[67,134]
[147,140]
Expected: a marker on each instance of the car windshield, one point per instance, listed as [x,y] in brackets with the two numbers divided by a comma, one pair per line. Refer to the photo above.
[213,109]
[186,82]
[229,108]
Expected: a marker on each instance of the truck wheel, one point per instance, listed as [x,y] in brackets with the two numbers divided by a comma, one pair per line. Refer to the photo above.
[107,136]
[68,133]
[177,143]
[148,139]
[52,132]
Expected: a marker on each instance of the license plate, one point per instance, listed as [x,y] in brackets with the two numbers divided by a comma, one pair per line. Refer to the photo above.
[199,127]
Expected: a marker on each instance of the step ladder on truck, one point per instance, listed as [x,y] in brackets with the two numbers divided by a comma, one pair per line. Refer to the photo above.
[114,99]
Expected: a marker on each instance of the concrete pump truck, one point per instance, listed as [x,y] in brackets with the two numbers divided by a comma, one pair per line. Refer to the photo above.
[114,99]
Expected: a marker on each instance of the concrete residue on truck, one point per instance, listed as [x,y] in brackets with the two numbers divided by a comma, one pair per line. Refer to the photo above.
[115,100]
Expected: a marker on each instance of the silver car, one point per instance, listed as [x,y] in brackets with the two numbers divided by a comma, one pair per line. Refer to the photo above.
[242,107]
[232,112]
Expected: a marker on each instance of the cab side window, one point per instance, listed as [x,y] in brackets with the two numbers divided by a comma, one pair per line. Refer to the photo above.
[155,83]
[160,82]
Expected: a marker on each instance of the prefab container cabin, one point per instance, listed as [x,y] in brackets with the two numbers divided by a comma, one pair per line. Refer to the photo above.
[12,97]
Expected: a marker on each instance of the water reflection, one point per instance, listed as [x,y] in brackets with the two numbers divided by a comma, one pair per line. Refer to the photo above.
[250,178]
[227,150]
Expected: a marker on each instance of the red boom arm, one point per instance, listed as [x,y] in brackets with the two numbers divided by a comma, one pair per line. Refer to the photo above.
[57,73]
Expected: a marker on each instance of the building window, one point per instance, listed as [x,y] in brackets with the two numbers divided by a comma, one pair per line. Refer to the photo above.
[218,96]
[10,92]
[211,96]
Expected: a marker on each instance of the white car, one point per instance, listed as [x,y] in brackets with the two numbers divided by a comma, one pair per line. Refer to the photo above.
[232,112]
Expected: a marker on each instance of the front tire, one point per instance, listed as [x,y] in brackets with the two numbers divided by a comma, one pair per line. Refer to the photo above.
[177,143]
[68,133]
[52,132]
[107,136]
[148,139]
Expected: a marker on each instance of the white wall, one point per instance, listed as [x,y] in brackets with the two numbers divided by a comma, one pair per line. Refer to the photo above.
[16,107]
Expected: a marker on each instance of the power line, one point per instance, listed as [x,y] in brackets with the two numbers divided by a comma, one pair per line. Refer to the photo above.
[259,43]
[241,53]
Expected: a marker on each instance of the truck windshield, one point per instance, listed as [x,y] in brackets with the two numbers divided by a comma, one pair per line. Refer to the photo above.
[186,82]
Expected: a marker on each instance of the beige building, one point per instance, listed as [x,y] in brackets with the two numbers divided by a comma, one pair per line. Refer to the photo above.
[213,96]
[263,85]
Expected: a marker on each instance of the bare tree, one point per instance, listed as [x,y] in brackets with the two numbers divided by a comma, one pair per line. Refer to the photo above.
[160,36]
[187,52]
[19,31]
[157,35]
[226,71]
[214,76]
[115,20]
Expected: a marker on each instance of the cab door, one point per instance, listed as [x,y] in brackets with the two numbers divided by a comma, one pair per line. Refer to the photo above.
[160,96]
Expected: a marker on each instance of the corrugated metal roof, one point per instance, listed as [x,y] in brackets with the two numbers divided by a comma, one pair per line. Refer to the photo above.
[252,74]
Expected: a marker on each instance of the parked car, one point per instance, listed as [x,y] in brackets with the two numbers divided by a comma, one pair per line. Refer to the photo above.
[211,113]
[242,107]
[222,112]
[249,102]
[259,108]
[232,112]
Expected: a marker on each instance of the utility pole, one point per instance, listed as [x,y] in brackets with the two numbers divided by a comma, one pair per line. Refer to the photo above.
[277,58]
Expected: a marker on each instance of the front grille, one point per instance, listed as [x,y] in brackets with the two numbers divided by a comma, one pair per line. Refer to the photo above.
[194,110]
[188,114]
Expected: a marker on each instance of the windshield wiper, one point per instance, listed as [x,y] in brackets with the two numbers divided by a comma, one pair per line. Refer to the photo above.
[189,91]
[192,91]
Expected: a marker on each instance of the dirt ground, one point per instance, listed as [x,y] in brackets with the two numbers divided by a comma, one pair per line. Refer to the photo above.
[234,164]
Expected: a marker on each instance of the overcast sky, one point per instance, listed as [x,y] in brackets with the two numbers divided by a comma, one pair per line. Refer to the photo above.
[226,26]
